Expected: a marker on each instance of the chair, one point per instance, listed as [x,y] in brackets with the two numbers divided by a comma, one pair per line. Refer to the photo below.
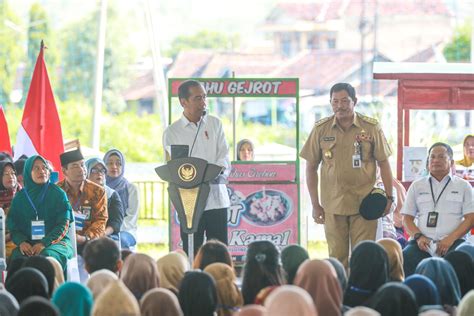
[72,264]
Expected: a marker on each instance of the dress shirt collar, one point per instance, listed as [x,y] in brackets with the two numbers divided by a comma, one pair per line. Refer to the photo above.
[448,176]
[186,122]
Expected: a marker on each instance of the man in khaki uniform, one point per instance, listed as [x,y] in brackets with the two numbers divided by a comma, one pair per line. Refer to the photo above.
[347,145]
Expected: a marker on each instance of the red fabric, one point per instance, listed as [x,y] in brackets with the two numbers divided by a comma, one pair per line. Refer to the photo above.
[40,117]
[4,135]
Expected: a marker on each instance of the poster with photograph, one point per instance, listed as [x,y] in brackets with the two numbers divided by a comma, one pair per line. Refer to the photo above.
[414,162]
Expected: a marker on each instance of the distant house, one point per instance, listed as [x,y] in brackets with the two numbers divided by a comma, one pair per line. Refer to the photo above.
[402,26]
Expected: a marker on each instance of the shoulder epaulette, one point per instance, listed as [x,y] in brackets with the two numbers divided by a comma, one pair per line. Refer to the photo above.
[368,119]
[322,121]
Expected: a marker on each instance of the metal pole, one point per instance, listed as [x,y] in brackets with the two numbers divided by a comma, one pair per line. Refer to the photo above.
[472,35]
[374,57]
[362,26]
[158,73]
[3,258]
[234,119]
[191,249]
[99,75]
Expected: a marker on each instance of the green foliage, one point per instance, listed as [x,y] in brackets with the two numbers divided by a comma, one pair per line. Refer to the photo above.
[79,55]
[459,49]
[10,50]
[139,138]
[39,29]
[203,39]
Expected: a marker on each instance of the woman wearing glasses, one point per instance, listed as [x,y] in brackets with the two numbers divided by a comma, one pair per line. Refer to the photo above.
[128,192]
[96,171]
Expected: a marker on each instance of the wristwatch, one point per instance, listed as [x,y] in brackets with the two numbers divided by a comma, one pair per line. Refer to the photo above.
[87,238]
[417,236]
[391,198]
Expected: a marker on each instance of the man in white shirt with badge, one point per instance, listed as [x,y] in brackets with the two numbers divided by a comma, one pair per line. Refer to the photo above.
[438,210]
[206,140]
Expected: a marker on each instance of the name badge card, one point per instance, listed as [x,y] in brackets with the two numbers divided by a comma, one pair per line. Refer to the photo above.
[432,220]
[37,230]
[79,219]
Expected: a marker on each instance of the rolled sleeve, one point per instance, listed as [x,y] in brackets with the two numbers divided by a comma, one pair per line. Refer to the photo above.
[409,206]
[382,149]
[311,150]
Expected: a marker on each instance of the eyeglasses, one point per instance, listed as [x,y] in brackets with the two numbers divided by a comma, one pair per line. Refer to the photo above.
[11,174]
[96,171]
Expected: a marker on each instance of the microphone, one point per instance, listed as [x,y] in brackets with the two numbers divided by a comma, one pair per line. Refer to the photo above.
[199,127]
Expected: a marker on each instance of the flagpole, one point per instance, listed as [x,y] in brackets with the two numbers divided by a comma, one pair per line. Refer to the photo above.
[99,76]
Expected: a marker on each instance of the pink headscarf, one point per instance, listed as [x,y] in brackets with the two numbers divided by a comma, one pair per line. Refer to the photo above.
[290,300]
[319,279]
[251,310]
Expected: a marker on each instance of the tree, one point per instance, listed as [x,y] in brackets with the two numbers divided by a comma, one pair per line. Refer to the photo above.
[459,49]
[38,29]
[79,55]
[10,51]
[203,39]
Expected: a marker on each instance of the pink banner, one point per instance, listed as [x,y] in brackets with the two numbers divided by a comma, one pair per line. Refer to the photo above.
[257,212]
[244,87]
[271,172]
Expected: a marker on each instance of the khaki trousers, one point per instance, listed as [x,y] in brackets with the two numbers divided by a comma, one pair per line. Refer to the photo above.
[344,231]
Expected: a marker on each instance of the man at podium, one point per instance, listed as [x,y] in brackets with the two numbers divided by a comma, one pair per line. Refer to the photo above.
[203,137]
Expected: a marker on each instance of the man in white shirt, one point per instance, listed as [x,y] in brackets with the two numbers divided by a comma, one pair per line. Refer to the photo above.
[209,144]
[438,210]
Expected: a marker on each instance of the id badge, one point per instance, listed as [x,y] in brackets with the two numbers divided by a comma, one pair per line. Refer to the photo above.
[86,210]
[79,219]
[356,161]
[432,219]
[37,230]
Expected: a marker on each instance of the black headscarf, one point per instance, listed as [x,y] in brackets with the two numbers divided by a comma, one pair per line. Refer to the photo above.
[443,276]
[38,306]
[292,257]
[45,267]
[464,268]
[198,294]
[27,282]
[393,299]
[369,270]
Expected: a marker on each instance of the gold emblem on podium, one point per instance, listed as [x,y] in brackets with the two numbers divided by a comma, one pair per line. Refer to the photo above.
[187,172]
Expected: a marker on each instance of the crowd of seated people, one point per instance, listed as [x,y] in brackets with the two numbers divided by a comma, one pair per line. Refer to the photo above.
[385,277]
[272,283]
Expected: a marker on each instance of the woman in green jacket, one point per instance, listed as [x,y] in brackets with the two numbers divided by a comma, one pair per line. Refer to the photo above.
[40,215]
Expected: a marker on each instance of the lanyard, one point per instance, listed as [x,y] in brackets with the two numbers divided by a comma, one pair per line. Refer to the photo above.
[41,199]
[439,196]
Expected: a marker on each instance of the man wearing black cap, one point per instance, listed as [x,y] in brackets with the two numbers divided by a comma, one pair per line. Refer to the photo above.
[347,145]
[88,200]
[438,210]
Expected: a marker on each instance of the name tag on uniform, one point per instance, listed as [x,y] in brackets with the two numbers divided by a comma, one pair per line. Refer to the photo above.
[37,230]
[356,161]
[79,219]
[86,210]
[432,220]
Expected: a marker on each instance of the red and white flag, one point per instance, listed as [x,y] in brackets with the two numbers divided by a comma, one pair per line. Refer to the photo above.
[4,135]
[40,130]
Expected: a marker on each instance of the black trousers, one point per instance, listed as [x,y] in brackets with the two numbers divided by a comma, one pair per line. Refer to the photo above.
[412,255]
[214,224]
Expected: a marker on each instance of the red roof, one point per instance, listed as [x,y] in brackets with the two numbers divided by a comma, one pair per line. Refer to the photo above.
[324,10]
[318,69]
[189,63]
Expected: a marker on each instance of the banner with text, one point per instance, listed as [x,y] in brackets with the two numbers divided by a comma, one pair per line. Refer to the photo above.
[243,87]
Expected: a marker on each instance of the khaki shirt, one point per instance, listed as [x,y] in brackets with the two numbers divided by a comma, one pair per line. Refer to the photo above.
[342,186]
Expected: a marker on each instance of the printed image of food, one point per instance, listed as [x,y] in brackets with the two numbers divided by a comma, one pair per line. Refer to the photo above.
[267,207]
